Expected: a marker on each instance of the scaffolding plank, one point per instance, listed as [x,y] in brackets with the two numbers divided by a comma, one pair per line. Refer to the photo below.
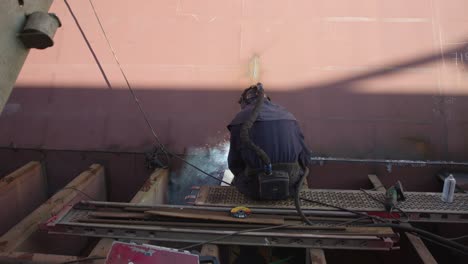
[21,192]
[154,190]
[376,183]
[210,250]
[421,249]
[317,256]
[416,202]
[91,182]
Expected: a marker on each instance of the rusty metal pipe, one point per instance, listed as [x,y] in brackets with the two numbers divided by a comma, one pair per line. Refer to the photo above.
[216,209]
[388,162]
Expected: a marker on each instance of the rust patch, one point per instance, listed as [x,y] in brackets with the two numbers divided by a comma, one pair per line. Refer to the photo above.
[422,146]
[91,171]
[94,169]
[26,169]
[147,185]
[8,179]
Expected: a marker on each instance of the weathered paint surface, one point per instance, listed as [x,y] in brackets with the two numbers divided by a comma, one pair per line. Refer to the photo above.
[368,78]
[12,52]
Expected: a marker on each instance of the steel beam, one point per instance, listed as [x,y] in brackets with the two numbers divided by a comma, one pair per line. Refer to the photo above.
[72,223]
[274,238]
[91,182]
[153,192]
[21,192]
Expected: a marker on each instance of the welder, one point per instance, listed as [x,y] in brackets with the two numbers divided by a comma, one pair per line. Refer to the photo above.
[267,155]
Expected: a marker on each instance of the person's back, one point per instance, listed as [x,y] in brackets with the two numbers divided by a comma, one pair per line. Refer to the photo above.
[277,133]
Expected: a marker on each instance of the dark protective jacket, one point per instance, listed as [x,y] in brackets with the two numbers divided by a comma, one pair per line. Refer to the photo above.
[277,132]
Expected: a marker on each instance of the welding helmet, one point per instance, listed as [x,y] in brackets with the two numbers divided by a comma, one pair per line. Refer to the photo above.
[250,95]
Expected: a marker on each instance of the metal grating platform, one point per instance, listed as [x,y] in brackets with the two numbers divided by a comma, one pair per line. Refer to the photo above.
[417,202]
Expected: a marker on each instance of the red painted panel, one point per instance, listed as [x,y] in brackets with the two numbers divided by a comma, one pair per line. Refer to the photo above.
[126,253]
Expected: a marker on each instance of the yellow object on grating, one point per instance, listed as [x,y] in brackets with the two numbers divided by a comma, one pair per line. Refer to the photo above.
[240,212]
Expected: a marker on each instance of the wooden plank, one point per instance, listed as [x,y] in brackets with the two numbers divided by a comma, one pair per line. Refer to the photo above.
[102,248]
[21,192]
[34,258]
[121,215]
[317,256]
[218,216]
[91,182]
[376,183]
[416,242]
[421,249]
[153,192]
[210,250]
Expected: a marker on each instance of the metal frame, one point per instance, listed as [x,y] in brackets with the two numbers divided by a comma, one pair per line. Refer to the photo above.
[70,223]
[275,239]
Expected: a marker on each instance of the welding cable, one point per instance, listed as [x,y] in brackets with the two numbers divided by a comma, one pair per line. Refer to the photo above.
[441,244]
[158,142]
[297,201]
[351,221]
[458,238]
[261,229]
[80,191]
[407,218]
[297,204]
[237,233]
[140,107]
[372,197]
[345,210]
[419,232]
[424,234]
[198,169]
[247,125]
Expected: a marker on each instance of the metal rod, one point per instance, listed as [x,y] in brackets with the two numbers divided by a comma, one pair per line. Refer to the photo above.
[203,225]
[415,163]
[216,209]
[218,232]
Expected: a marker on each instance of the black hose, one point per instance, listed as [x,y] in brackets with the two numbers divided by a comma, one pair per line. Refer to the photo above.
[297,201]
[425,234]
[247,125]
